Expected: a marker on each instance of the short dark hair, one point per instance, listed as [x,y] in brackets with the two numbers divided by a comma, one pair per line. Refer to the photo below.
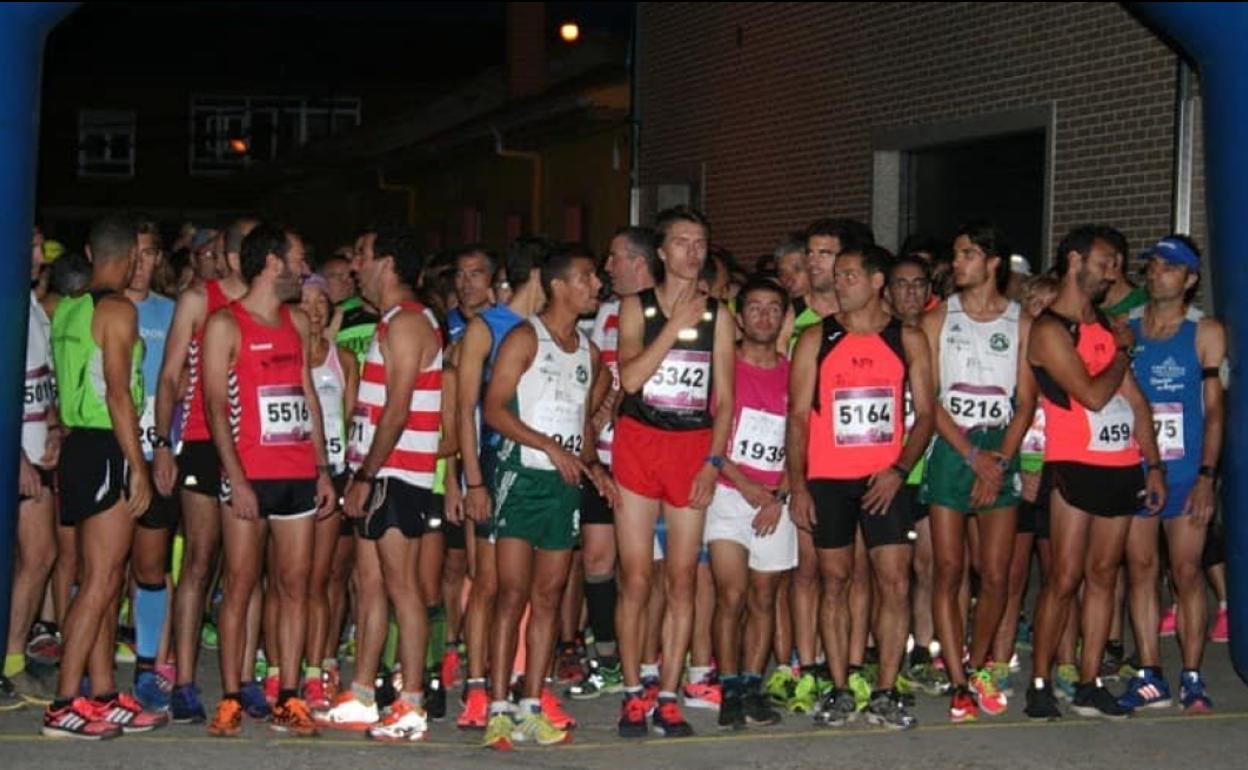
[147,225]
[1078,240]
[670,216]
[265,239]
[762,283]
[472,248]
[919,243]
[640,242]
[911,259]
[558,261]
[70,274]
[524,254]
[236,231]
[793,242]
[876,259]
[1118,241]
[991,240]
[403,246]
[112,237]
[850,232]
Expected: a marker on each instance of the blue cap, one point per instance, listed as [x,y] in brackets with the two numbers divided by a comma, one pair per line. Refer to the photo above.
[1174,251]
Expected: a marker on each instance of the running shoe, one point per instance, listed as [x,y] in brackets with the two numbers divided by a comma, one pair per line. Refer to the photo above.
[435,696]
[314,694]
[1112,664]
[255,704]
[1025,634]
[333,682]
[836,708]
[925,674]
[402,723]
[185,706]
[600,678]
[272,688]
[669,722]
[228,721]
[886,709]
[292,716]
[34,689]
[1001,678]
[962,706]
[758,709]
[552,709]
[990,700]
[127,712]
[1093,700]
[80,719]
[43,644]
[568,668]
[1146,690]
[125,652]
[860,686]
[498,732]
[1220,632]
[707,694]
[347,713]
[209,639]
[536,728]
[1067,681]
[476,713]
[632,722]
[152,690]
[650,693]
[10,698]
[1041,701]
[731,714]
[806,693]
[780,685]
[1192,695]
[450,666]
[1169,624]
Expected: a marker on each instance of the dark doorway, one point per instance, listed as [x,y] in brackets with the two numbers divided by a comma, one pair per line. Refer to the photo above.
[1000,178]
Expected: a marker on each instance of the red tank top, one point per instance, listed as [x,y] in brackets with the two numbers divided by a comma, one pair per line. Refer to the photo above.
[194,424]
[857,419]
[268,408]
[1073,433]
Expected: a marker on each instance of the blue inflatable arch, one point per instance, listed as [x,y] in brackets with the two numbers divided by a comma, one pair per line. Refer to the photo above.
[1211,34]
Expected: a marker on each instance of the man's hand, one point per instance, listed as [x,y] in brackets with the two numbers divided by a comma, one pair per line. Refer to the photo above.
[27,477]
[802,508]
[355,497]
[1123,335]
[164,470]
[52,449]
[881,490]
[703,487]
[569,465]
[1200,502]
[1031,485]
[453,502]
[326,500]
[755,494]
[687,311]
[987,466]
[477,504]
[243,500]
[1155,488]
[605,485]
[767,518]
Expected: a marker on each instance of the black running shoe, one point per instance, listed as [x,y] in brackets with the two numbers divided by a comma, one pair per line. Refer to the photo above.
[732,713]
[758,710]
[1041,701]
[1093,700]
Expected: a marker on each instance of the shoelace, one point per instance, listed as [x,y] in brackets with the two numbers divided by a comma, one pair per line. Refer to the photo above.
[229,711]
[670,712]
[298,711]
[635,709]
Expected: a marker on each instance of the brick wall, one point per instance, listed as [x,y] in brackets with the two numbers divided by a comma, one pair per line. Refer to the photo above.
[773,106]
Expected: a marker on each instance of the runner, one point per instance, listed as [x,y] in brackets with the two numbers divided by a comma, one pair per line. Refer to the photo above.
[539,401]
[149,557]
[474,277]
[336,380]
[196,470]
[103,482]
[354,320]
[1178,357]
[676,367]
[393,453]
[477,444]
[848,462]
[1122,297]
[36,550]
[748,529]
[791,269]
[630,261]
[1097,426]
[987,400]
[909,288]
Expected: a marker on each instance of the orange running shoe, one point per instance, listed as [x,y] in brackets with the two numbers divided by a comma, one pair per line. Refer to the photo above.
[552,708]
[228,721]
[476,711]
[293,717]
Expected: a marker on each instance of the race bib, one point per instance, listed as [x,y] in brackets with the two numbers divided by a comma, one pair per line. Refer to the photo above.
[863,416]
[1168,425]
[759,441]
[39,395]
[681,383]
[1033,441]
[1110,428]
[361,436]
[284,415]
[147,426]
[335,446]
[564,422]
[973,406]
[605,440]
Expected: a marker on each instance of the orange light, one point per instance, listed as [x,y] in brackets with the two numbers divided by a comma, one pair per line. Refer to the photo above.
[570,32]
[238,146]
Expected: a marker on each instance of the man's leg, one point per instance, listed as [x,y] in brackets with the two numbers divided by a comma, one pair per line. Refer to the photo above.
[400,570]
[598,554]
[548,576]
[1068,543]
[861,609]
[341,567]
[921,594]
[243,550]
[1020,570]
[34,558]
[836,567]
[996,549]
[201,521]
[1187,541]
[481,600]
[890,565]
[804,599]
[65,572]
[515,560]
[148,560]
[948,566]
[292,546]
[1143,567]
[325,543]
[1107,539]
[635,518]
[684,541]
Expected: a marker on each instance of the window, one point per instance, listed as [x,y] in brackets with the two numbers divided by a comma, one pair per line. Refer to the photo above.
[106,143]
[229,133]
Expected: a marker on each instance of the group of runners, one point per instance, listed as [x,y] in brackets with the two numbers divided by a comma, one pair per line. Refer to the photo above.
[814,489]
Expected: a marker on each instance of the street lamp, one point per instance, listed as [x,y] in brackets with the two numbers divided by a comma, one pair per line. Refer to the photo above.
[569,32]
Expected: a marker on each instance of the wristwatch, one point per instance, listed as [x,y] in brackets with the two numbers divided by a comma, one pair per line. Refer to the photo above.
[1209,471]
[781,497]
[716,462]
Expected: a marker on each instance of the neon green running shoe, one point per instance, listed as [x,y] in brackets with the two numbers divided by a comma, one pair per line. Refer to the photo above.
[536,728]
[498,732]
[861,688]
[780,685]
[805,695]
[208,636]
[1001,678]
[1066,681]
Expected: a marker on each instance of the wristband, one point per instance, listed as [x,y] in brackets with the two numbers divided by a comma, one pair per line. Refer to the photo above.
[160,442]
[971,455]
[1160,468]
[364,479]
[475,486]
[905,473]
[716,462]
[781,497]
[328,470]
[1208,471]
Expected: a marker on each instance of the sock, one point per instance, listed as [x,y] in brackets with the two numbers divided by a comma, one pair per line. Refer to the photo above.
[751,682]
[60,703]
[142,664]
[364,693]
[600,596]
[391,650]
[633,692]
[500,707]
[14,664]
[649,671]
[151,604]
[530,706]
[733,686]
[920,655]
[414,698]
[311,674]
[105,698]
[285,695]
[236,697]
[474,683]
[1221,606]
[328,664]
[1114,648]
[666,696]
[273,673]
[699,674]
[437,637]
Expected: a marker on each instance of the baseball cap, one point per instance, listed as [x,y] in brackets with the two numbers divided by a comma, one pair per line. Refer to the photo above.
[202,238]
[52,250]
[1174,251]
[1020,265]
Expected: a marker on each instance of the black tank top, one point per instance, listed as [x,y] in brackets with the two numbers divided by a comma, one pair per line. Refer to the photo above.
[678,395]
